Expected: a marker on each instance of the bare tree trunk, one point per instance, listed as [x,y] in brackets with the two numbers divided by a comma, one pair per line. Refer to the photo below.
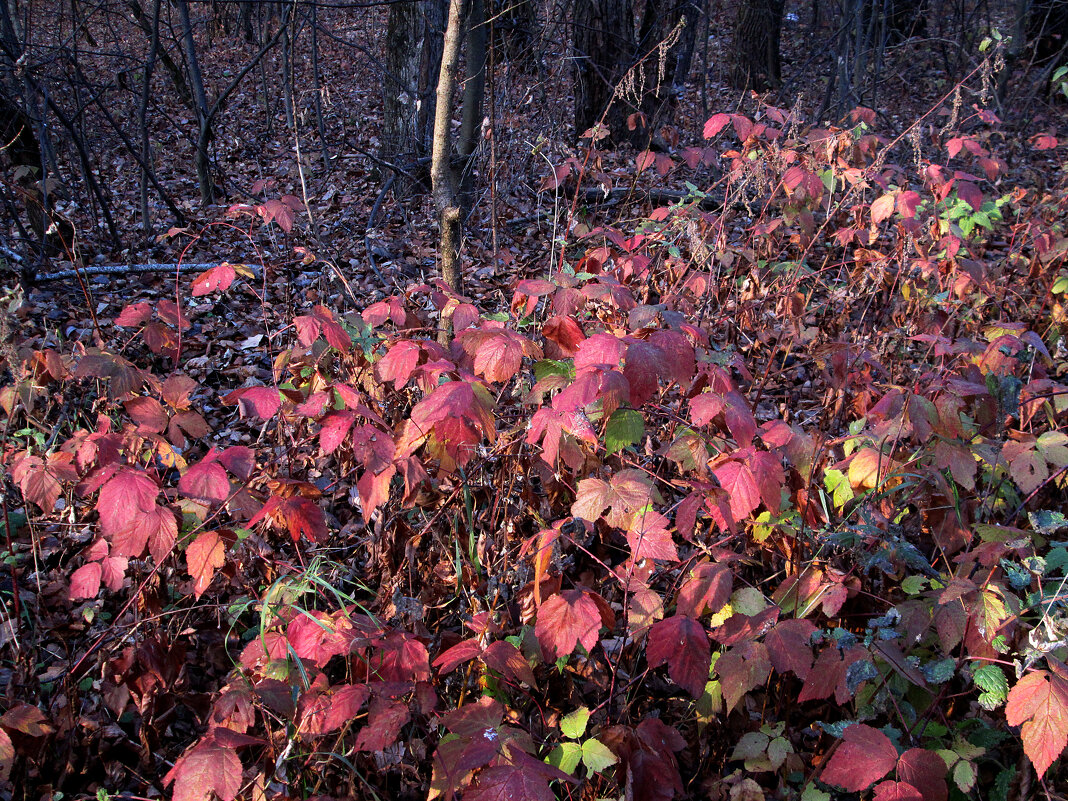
[200,99]
[442,176]
[142,118]
[604,49]
[412,65]
[756,45]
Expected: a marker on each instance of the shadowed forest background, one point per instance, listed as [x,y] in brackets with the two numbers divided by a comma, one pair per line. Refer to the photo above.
[638,399]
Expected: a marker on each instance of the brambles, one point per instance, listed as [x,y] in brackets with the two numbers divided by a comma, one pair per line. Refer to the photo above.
[631,533]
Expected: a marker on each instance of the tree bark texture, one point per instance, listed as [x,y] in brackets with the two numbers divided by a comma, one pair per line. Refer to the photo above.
[756,64]
[412,64]
[441,173]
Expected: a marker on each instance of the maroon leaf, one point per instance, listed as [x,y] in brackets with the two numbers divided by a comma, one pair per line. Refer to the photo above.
[568,619]
[239,460]
[925,771]
[741,485]
[509,783]
[207,767]
[896,791]
[384,722]
[401,657]
[743,668]
[345,704]
[789,647]
[463,651]
[864,756]
[681,643]
[645,365]
[451,399]
[707,589]
[509,661]
[148,413]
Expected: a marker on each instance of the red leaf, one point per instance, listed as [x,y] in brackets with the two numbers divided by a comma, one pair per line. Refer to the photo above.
[864,756]
[882,208]
[789,647]
[451,399]
[1044,141]
[907,203]
[599,350]
[828,675]
[203,556]
[645,365]
[1039,705]
[206,481]
[896,791]
[970,194]
[401,657]
[499,355]
[744,667]
[399,363]
[649,538]
[707,589]
[509,661]
[463,651]
[7,756]
[129,494]
[157,528]
[219,277]
[308,329]
[261,402]
[345,704]
[148,413]
[27,719]
[644,160]
[715,124]
[85,581]
[134,315]
[565,332]
[303,516]
[239,460]
[384,722]
[207,767]
[114,568]
[925,771]
[568,619]
[682,643]
[509,783]
[336,336]
[335,427]
[740,483]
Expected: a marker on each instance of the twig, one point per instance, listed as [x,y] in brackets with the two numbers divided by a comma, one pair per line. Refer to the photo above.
[121,269]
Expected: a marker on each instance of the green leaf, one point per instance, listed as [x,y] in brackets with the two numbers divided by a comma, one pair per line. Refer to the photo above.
[596,756]
[941,671]
[573,725]
[625,427]
[813,793]
[1047,522]
[995,688]
[914,584]
[548,367]
[1060,286]
[837,483]
[566,757]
